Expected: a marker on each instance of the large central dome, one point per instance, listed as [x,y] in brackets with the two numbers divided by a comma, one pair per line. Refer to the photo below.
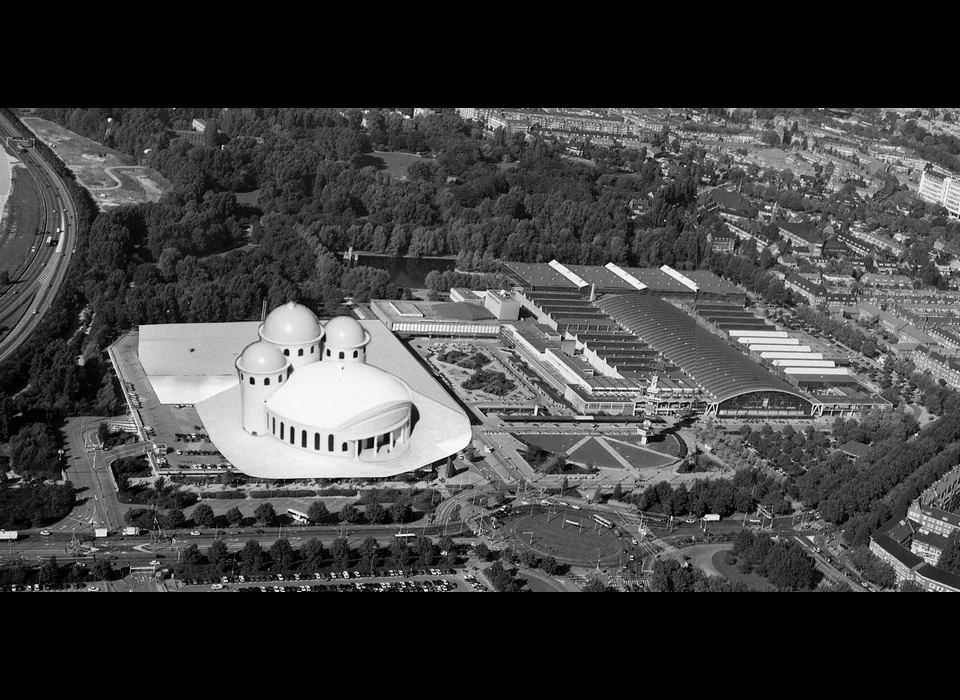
[333,395]
[291,324]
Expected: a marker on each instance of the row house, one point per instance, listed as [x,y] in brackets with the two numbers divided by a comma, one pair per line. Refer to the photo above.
[803,237]
[939,366]
[814,293]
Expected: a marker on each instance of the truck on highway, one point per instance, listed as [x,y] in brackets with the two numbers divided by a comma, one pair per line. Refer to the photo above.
[8,534]
[131,531]
[101,532]
[711,518]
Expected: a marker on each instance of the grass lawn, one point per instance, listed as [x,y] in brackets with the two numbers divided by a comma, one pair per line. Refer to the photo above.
[594,452]
[552,443]
[640,458]
[665,444]
[396,164]
[733,574]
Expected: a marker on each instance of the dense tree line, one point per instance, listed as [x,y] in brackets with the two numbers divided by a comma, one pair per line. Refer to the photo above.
[34,504]
[669,576]
[741,494]
[784,563]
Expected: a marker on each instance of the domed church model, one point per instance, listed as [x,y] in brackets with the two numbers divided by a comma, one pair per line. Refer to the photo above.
[306,399]
[309,387]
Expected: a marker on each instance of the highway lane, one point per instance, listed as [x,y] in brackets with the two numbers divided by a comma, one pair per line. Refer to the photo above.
[53,277]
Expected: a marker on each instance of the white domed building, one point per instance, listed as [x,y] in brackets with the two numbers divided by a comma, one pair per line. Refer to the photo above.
[326,401]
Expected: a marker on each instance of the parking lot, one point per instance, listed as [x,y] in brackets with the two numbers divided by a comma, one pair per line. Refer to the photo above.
[431,580]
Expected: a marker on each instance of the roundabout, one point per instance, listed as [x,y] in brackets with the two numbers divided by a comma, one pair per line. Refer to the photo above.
[568,536]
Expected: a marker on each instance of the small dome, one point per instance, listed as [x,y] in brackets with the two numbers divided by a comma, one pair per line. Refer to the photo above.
[345,332]
[291,324]
[261,357]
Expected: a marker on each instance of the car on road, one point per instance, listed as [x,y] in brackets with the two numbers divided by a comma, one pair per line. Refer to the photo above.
[195,533]
[45,533]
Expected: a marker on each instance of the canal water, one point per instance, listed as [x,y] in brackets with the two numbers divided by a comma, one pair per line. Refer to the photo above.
[407,272]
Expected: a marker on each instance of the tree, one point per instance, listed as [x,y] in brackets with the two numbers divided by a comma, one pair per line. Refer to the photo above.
[49,573]
[102,570]
[594,585]
[313,553]
[369,551]
[251,557]
[282,554]
[375,513]
[350,514]
[203,515]
[399,552]
[191,554]
[218,554]
[234,516]
[482,552]
[950,558]
[317,512]
[176,518]
[265,514]
[400,512]
[911,587]
[340,549]
[423,546]
[550,566]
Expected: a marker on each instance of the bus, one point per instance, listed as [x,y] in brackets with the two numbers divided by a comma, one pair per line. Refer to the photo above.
[298,517]
[406,536]
[603,521]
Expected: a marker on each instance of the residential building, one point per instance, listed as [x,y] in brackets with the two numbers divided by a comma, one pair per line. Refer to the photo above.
[938,189]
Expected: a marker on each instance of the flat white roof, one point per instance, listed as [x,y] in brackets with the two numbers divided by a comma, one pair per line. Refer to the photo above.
[804,363]
[797,355]
[682,279]
[772,347]
[758,334]
[568,273]
[625,276]
[817,370]
[755,340]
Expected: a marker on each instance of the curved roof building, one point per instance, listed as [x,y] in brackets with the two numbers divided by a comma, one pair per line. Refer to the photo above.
[733,383]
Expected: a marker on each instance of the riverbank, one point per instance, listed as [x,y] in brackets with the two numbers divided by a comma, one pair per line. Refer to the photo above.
[5,183]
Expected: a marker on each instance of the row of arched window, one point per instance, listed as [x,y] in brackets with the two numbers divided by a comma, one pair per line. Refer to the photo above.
[291,435]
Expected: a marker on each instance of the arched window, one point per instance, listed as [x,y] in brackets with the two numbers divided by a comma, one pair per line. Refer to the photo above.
[266,381]
[303,439]
[341,355]
[274,425]
[316,441]
[311,349]
[330,443]
[355,353]
[293,434]
[286,352]
[251,380]
[300,352]
[344,447]
[281,430]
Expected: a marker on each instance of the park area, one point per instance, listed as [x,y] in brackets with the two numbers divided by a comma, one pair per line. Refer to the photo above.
[395,164]
[113,178]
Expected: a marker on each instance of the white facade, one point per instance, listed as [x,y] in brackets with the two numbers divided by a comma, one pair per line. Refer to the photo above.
[937,189]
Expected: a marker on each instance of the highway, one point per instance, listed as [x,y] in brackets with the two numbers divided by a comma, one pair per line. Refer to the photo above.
[42,274]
